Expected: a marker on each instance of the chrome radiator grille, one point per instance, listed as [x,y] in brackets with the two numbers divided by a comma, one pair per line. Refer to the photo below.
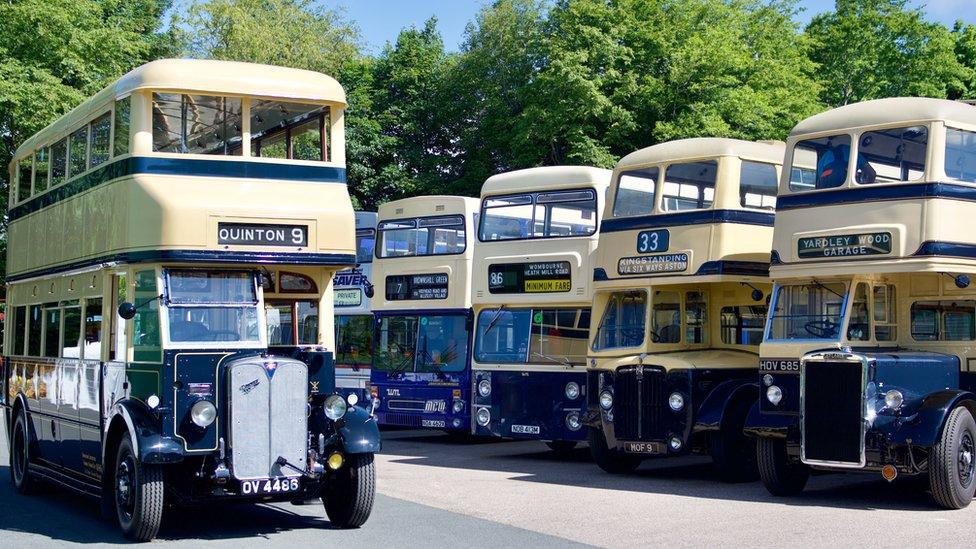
[268,417]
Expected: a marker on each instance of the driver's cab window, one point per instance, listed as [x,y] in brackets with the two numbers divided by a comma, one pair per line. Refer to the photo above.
[858,328]
[696,309]
[666,317]
[872,311]
[884,312]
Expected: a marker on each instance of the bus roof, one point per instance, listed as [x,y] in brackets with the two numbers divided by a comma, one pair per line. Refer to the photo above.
[704,147]
[545,177]
[206,77]
[887,111]
[419,206]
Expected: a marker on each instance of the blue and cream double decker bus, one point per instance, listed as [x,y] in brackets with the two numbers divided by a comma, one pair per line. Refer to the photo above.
[533,282]
[679,303]
[172,244]
[868,362]
[421,375]
[353,315]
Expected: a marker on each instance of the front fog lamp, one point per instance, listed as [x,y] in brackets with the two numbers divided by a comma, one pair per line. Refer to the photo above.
[774,394]
[334,407]
[676,402]
[484,417]
[572,390]
[768,380]
[352,399]
[335,461]
[458,406]
[894,399]
[573,421]
[606,400]
[203,413]
[484,388]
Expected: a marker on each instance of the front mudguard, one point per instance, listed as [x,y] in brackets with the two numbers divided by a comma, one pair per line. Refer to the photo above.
[359,432]
[713,414]
[762,425]
[152,446]
[924,426]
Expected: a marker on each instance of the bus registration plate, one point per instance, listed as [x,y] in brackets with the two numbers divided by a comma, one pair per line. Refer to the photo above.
[525,429]
[644,447]
[269,486]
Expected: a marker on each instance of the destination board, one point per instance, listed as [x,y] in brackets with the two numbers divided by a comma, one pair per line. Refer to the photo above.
[418,286]
[844,245]
[653,241]
[255,234]
[348,297]
[528,278]
[653,264]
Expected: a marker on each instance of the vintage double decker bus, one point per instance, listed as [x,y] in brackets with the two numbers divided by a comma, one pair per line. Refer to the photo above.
[421,375]
[353,315]
[680,290]
[868,362]
[172,244]
[533,284]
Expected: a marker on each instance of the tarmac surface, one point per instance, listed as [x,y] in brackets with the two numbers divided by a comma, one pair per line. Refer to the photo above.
[434,490]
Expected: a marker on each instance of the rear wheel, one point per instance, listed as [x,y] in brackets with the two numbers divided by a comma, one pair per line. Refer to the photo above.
[24,483]
[952,471]
[561,446]
[611,461]
[779,475]
[138,492]
[348,498]
[733,453]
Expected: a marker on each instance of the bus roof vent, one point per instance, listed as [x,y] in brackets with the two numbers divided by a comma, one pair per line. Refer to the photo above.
[439,208]
[399,211]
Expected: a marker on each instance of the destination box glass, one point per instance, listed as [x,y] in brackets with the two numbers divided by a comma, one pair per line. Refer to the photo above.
[653,264]
[844,245]
[348,297]
[256,234]
[416,287]
[517,278]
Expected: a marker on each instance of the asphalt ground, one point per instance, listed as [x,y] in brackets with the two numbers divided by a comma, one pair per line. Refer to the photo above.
[434,490]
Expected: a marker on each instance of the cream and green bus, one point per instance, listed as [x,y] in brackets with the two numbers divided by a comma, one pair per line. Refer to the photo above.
[171,249]
[680,293]
[533,286]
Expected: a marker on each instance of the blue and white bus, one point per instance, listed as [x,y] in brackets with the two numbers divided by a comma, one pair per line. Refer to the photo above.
[353,289]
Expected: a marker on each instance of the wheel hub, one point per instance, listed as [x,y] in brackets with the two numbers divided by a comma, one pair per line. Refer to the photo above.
[965,460]
[123,485]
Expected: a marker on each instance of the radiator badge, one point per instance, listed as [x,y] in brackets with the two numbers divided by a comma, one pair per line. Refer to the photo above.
[249,386]
[640,371]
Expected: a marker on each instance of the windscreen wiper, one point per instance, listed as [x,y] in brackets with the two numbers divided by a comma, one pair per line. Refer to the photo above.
[822,285]
[494,319]
[555,359]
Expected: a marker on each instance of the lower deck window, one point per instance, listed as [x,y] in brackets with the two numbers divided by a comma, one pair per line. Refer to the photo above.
[208,324]
[948,320]
[743,324]
[533,336]
[292,323]
[354,340]
[422,344]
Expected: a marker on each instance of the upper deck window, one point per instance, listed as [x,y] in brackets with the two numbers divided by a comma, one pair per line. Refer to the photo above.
[59,162]
[100,134]
[25,174]
[288,130]
[757,185]
[689,186]
[635,192]
[443,235]
[894,154]
[196,124]
[123,111]
[78,152]
[365,242]
[820,163]
[960,155]
[41,169]
[539,215]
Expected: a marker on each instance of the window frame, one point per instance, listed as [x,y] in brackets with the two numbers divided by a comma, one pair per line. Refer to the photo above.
[415,224]
[547,206]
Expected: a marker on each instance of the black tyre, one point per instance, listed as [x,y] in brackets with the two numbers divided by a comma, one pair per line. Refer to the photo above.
[952,471]
[561,446]
[733,453]
[779,475]
[348,498]
[20,455]
[138,492]
[611,461]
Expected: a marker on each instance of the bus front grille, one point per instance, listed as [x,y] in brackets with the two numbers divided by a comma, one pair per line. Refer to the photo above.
[832,413]
[402,420]
[268,417]
[639,403]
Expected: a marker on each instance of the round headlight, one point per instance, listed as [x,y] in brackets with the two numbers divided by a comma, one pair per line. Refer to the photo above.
[203,413]
[573,421]
[774,394]
[894,399]
[572,390]
[606,400]
[484,417]
[768,380]
[676,402]
[152,401]
[334,407]
[675,443]
[458,406]
[484,388]
[352,399]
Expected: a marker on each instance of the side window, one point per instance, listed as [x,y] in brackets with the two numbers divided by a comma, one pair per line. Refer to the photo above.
[120,143]
[943,320]
[92,342]
[288,130]
[960,155]
[35,327]
[41,169]
[196,124]
[757,185]
[71,346]
[859,327]
[743,325]
[689,186]
[666,317]
[885,318]
[635,192]
[52,330]
[25,177]
[20,330]
[101,132]
[145,325]
[78,152]
[59,162]
[896,154]
[828,156]
[696,311]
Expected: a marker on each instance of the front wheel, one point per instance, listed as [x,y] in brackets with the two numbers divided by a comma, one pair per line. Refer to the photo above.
[561,446]
[779,475]
[611,461]
[952,472]
[24,483]
[348,498]
[138,491]
[733,453]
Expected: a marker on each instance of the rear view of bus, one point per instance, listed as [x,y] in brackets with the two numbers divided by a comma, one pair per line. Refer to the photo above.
[533,284]
[353,316]
[421,375]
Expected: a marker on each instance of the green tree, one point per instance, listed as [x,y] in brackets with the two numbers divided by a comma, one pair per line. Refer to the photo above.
[53,55]
[867,49]
[965,36]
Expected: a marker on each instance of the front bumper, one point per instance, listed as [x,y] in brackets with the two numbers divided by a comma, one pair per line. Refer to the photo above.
[531,405]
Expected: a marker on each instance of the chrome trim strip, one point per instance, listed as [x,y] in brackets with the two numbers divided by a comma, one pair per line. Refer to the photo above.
[833,356]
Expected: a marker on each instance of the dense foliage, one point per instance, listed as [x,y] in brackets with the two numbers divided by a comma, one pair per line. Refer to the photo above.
[535,82]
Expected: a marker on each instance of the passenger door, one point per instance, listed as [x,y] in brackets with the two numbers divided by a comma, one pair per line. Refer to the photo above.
[69,364]
[89,390]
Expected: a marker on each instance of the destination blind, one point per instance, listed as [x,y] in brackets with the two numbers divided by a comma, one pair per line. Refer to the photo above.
[418,286]
[259,234]
[653,264]
[518,278]
[845,245]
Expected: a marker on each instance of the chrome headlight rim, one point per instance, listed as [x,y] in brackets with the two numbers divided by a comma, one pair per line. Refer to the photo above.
[203,413]
[676,401]
[483,416]
[774,395]
[573,422]
[334,407]
[484,388]
[458,406]
[894,399]
[606,400]
[572,390]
